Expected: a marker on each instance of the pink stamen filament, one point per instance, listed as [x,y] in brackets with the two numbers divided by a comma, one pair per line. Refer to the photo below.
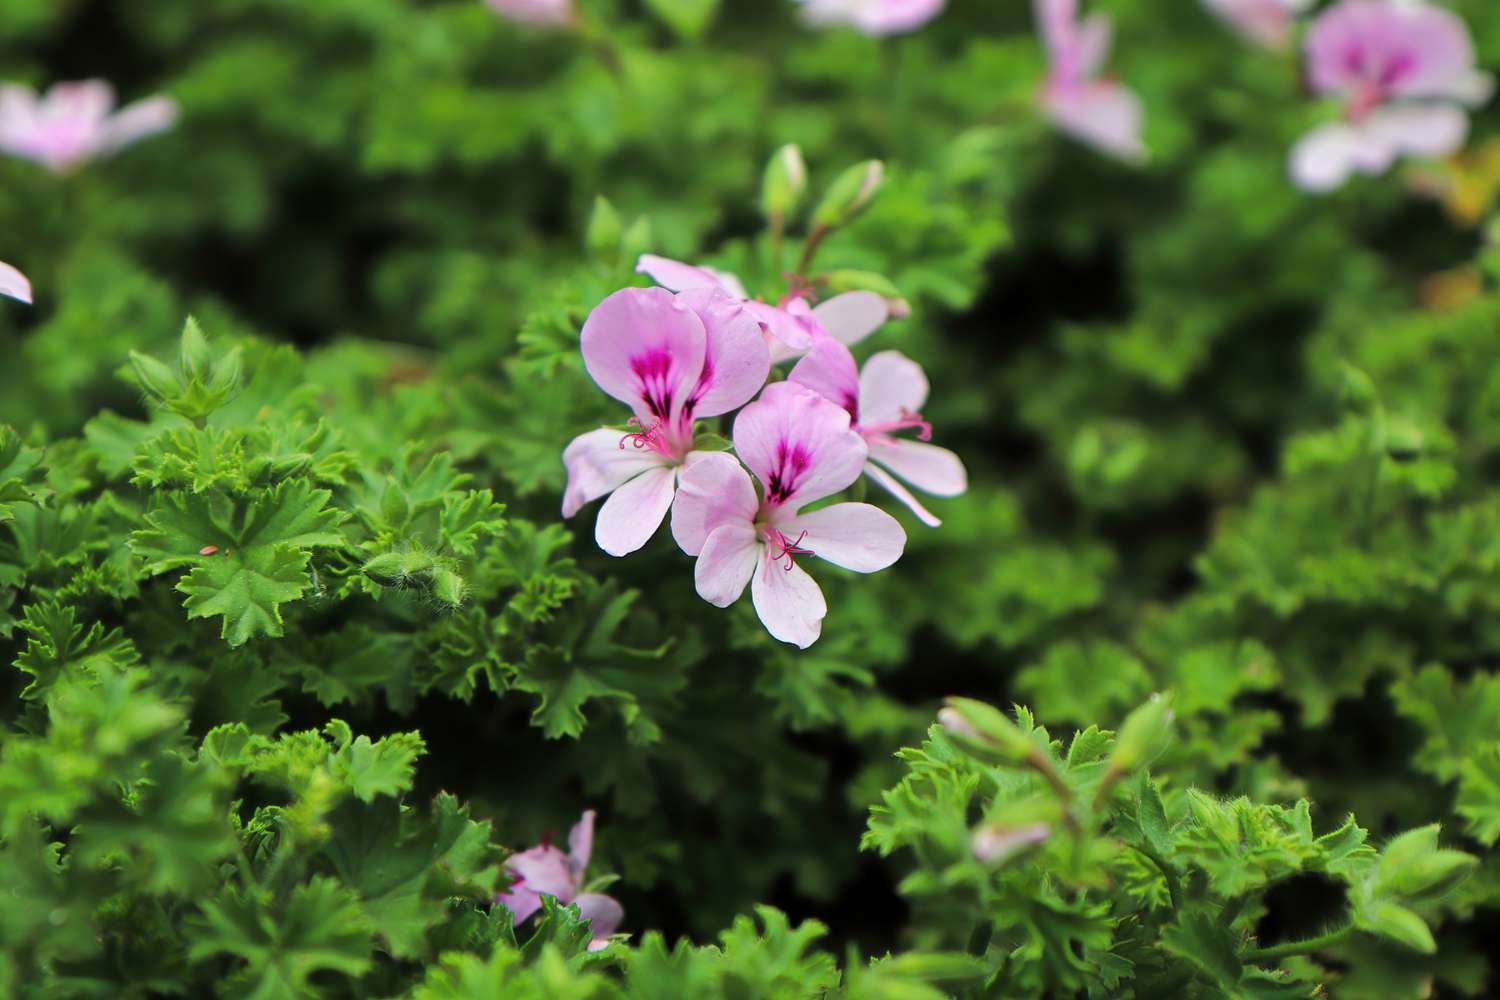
[797,288]
[908,421]
[788,550]
[643,436]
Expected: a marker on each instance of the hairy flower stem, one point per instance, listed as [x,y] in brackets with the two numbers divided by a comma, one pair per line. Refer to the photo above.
[1305,947]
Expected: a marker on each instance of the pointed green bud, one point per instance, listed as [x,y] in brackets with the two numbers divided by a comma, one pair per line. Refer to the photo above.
[1396,922]
[985,732]
[784,182]
[602,237]
[155,378]
[416,563]
[1413,867]
[225,381]
[197,360]
[448,587]
[1143,736]
[637,239]
[849,195]
[385,568]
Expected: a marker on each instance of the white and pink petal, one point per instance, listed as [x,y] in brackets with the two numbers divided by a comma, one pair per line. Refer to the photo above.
[857,536]
[788,601]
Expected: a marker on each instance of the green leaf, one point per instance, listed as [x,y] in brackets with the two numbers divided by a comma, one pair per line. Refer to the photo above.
[408,869]
[320,928]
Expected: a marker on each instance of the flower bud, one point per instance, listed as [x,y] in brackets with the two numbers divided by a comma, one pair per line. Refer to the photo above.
[1413,867]
[1396,922]
[156,379]
[385,568]
[197,361]
[985,732]
[849,195]
[1143,736]
[602,237]
[448,587]
[784,182]
[415,563]
[994,843]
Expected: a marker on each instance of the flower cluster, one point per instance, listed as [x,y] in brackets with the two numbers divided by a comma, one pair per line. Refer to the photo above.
[1401,72]
[1404,74]
[699,348]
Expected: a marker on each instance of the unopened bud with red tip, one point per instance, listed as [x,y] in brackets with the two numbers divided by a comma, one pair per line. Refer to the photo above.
[995,843]
[985,732]
[784,183]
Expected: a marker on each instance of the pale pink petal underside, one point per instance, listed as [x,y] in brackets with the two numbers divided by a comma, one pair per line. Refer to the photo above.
[788,601]
[857,536]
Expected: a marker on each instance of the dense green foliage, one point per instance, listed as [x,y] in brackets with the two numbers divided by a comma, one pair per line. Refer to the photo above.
[300,649]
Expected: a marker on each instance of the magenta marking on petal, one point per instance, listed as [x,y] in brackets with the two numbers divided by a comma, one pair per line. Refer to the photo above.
[792,461]
[653,369]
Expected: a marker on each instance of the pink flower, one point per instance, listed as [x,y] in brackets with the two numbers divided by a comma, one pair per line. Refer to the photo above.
[882,400]
[872,17]
[14,284]
[791,325]
[542,13]
[801,449]
[1405,72]
[546,871]
[671,359]
[74,122]
[1265,22]
[1103,113]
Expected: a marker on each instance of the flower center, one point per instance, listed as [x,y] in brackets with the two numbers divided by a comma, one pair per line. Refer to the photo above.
[645,436]
[785,548]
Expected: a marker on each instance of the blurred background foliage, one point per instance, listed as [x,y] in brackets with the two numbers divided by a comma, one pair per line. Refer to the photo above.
[1224,437]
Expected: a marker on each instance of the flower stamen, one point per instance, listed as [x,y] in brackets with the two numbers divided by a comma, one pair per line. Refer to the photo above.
[788,550]
[644,436]
[906,422]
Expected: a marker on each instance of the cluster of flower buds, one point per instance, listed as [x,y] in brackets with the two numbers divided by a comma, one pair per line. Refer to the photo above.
[701,347]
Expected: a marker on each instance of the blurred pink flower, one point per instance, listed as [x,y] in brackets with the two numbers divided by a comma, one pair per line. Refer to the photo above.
[542,13]
[801,449]
[76,122]
[872,17]
[546,871]
[1405,71]
[1103,113]
[14,284]
[1265,22]
[671,359]
[886,397]
[791,325]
